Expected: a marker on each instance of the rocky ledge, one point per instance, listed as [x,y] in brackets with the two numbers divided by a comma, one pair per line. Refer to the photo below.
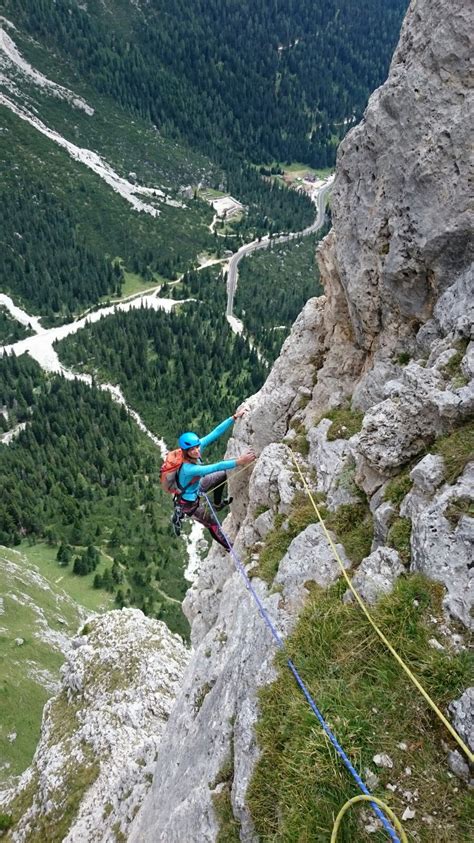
[100,735]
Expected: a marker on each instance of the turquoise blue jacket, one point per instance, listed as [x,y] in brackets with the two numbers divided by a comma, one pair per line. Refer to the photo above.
[190,470]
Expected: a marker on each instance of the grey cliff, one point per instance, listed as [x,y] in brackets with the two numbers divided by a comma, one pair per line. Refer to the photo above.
[398,282]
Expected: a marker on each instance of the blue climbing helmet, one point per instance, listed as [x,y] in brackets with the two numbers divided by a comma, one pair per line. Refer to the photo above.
[188,440]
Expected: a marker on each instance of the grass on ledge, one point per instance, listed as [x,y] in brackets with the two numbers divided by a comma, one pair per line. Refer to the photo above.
[229,826]
[457,449]
[399,537]
[398,488]
[299,784]
[345,423]
[352,523]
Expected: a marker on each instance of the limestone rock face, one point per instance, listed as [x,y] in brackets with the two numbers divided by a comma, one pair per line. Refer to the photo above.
[428,473]
[376,575]
[101,733]
[334,464]
[309,559]
[212,721]
[443,547]
[394,252]
[389,337]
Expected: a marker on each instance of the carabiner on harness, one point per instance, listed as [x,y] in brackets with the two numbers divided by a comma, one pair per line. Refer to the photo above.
[176,519]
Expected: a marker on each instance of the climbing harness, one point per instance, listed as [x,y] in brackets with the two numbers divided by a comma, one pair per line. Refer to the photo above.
[179,514]
[379,632]
[280,643]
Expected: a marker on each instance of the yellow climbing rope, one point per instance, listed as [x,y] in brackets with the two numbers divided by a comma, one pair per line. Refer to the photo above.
[362,797]
[379,632]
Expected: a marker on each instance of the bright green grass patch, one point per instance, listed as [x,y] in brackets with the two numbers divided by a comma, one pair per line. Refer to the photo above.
[77,587]
[398,488]
[345,423]
[6,821]
[134,283]
[299,169]
[399,536]
[229,827]
[457,450]
[353,525]
[299,783]
[28,672]
[210,193]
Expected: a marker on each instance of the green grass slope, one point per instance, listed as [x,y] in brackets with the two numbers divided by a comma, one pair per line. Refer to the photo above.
[299,784]
[37,611]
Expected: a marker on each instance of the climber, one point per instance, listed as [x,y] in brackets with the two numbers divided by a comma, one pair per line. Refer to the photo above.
[194,478]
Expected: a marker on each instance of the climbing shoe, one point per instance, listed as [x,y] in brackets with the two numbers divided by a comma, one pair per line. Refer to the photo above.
[223,504]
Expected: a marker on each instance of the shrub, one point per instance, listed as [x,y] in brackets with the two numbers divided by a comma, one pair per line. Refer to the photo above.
[6,822]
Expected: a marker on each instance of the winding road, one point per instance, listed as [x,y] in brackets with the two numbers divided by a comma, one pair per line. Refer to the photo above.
[265,242]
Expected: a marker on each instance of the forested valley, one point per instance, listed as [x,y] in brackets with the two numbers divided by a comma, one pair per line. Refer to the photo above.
[44,262]
[191,97]
[266,81]
[11,330]
[182,370]
[273,287]
[82,477]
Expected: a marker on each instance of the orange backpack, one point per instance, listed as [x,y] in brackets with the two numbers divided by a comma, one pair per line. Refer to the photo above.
[169,472]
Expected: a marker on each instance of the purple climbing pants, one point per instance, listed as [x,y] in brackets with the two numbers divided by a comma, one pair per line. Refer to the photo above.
[201,512]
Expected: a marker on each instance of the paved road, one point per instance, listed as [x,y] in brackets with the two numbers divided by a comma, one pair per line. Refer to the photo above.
[265,242]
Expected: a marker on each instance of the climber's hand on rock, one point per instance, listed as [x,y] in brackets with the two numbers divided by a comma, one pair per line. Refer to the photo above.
[246,459]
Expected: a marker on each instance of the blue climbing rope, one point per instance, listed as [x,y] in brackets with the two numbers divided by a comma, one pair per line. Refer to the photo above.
[360,783]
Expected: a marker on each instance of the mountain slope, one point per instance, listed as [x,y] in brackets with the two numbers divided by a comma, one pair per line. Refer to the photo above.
[386,446]
[38,621]
[268,80]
